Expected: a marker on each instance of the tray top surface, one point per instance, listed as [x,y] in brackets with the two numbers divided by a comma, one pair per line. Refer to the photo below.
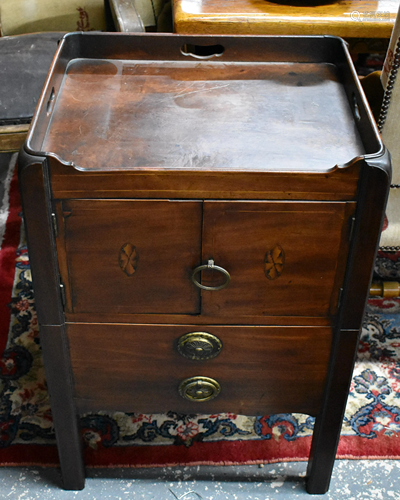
[202,116]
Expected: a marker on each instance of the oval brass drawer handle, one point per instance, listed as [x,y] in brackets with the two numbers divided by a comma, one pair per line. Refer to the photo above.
[199,389]
[199,346]
[211,265]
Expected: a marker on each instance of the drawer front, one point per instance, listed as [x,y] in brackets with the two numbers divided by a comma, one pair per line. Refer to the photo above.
[141,368]
[130,256]
[283,258]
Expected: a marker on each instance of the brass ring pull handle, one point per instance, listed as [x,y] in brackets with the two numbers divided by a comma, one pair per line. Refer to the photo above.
[199,389]
[211,265]
[199,346]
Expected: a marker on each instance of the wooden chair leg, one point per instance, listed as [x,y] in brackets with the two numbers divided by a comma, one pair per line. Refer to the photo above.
[65,419]
[46,283]
[329,422]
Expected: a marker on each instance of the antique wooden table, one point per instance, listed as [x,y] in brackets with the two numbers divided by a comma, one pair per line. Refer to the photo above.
[202,231]
[347,19]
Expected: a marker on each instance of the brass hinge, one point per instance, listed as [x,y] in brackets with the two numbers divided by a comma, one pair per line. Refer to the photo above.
[352,225]
[385,289]
[62,291]
[55,224]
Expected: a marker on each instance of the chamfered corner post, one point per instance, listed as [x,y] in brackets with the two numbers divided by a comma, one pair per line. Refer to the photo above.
[36,204]
[329,422]
[372,196]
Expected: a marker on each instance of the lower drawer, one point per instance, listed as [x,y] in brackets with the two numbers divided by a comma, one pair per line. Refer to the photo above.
[139,368]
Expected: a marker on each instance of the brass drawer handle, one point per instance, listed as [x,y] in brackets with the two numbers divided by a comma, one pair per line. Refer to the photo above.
[199,389]
[199,346]
[211,265]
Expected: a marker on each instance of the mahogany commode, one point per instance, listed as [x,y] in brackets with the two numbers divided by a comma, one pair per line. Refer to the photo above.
[202,217]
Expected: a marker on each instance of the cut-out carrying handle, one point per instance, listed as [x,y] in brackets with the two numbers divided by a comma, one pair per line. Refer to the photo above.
[202,51]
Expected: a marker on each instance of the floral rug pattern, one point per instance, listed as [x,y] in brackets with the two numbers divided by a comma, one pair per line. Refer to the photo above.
[373,408]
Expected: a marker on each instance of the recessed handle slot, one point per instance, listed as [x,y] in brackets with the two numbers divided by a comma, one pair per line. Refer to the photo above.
[356,108]
[50,102]
[202,51]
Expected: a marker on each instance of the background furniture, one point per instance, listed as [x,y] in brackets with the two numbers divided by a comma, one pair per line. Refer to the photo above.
[24,64]
[32,16]
[389,127]
[286,18]
[125,16]
[383,92]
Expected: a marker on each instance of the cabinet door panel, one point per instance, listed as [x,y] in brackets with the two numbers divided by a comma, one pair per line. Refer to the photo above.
[131,256]
[283,258]
[138,368]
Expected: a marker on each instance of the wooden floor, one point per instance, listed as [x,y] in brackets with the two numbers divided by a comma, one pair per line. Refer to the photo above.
[351,479]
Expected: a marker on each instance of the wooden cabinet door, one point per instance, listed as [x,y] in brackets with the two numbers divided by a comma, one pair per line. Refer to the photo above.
[130,256]
[284,258]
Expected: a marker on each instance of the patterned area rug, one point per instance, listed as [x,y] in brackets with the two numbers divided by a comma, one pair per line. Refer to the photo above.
[371,427]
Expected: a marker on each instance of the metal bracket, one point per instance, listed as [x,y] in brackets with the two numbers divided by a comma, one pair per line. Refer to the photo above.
[62,291]
[55,224]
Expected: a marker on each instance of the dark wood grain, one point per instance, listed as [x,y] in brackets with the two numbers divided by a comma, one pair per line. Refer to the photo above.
[336,185]
[61,390]
[374,185]
[237,236]
[167,240]
[33,182]
[329,422]
[199,110]
[167,50]
[46,284]
[373,192]
[261,369]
